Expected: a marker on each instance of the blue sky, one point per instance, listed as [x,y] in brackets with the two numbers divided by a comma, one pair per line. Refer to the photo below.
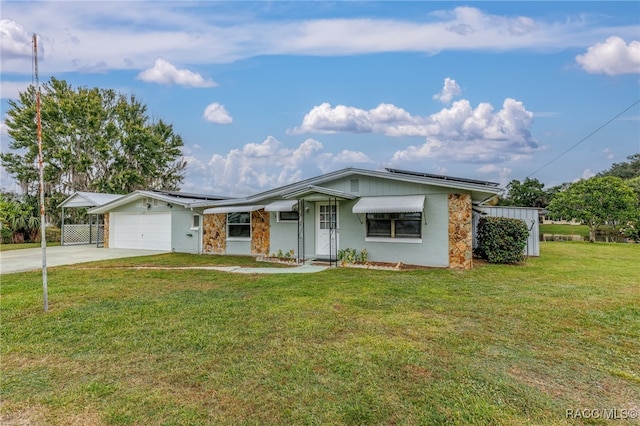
[268,93]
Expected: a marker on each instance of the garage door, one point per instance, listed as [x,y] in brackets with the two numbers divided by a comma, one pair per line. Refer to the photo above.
[140,231]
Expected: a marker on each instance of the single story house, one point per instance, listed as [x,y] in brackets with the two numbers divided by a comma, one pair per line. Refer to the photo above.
[396,215]
[155,220]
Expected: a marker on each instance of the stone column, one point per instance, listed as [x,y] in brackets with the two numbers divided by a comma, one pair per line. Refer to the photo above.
[106,231]
[460,231]
[260,232]
[214,233]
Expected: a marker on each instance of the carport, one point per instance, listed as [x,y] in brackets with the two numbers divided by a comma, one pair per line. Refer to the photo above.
[92,230]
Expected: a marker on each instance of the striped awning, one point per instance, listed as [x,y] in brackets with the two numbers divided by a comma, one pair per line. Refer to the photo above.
[392,204]
[282,206]
[232,209]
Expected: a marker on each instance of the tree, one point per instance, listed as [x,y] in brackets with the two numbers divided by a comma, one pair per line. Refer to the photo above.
[596,202]
[18,218]
[93,140]
[625,170]
[529,193]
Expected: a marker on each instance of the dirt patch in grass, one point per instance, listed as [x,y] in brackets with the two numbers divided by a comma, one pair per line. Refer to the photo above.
[31,415]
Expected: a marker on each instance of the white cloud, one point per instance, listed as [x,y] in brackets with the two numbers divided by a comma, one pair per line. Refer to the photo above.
[11,89]
[15,42]
[488,168]
[586,174]
[261,166]
[194,33]
[217,114]
[450,90]
[608,154]
[460,133]
[163,72]
[612,57]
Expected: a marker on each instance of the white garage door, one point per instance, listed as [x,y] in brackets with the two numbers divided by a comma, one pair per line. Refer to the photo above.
[140,231]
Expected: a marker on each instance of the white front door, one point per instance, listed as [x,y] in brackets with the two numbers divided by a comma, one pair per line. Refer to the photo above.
[326,229]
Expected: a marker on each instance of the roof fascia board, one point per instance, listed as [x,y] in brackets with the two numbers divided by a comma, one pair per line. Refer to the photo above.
[136,195]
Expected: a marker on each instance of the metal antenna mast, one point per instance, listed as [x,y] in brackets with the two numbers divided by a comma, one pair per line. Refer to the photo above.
[43,225]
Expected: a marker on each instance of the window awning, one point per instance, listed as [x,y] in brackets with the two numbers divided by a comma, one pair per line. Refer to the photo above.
[393,204]
[282,206]
[232,209]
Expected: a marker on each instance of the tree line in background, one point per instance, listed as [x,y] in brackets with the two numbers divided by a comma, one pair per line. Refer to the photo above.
[611,198]
[94,140]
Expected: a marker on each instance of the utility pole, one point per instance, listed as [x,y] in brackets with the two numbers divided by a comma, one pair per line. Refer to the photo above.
[43,224]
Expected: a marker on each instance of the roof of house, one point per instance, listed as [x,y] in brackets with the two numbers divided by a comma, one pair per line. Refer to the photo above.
[190,195]
[480,190]
[88,199]
[175,198]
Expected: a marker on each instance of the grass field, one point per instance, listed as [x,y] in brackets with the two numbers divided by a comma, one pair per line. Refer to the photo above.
[496,345]
[554,229]
[7,247]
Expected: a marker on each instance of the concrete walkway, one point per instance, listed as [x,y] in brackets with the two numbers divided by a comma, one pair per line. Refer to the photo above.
[31,259]
[302,269]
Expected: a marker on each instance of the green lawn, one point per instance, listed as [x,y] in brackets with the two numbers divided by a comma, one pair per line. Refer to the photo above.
[497,345]
[7,247]
[554,229]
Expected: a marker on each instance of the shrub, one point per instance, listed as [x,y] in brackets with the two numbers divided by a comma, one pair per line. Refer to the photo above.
[501,240]
[350,255]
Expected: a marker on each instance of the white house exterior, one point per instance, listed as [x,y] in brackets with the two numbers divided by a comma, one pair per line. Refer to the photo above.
[397,216]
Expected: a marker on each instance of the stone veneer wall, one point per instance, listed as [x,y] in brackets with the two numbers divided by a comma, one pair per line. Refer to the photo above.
[214,233]
[460,231]
[105,235]
[260,232]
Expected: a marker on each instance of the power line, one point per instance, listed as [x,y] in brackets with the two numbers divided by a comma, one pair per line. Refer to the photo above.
[588,136]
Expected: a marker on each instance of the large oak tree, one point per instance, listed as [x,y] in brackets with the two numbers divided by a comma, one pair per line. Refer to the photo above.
[93,140]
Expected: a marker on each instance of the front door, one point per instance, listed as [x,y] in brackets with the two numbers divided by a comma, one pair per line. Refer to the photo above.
[327,229]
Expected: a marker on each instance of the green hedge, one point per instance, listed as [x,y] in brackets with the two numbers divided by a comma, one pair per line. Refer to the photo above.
[501,240]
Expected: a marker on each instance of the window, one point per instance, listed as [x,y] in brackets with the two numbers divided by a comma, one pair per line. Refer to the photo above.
[239,225]
[328,218]
[195,223]
[355,185]
[394,225]
[291,216]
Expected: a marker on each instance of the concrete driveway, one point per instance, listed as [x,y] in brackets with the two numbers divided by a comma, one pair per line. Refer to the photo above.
[31,259]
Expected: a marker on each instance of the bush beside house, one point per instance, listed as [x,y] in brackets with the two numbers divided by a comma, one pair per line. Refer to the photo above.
[501,240]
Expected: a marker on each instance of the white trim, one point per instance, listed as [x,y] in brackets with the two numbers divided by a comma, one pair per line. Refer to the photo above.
[233,209]
[240,224]
[279,220]
[393,240]
[193,227]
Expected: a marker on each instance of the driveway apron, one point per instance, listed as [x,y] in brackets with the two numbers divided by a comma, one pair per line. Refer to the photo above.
[31,259]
